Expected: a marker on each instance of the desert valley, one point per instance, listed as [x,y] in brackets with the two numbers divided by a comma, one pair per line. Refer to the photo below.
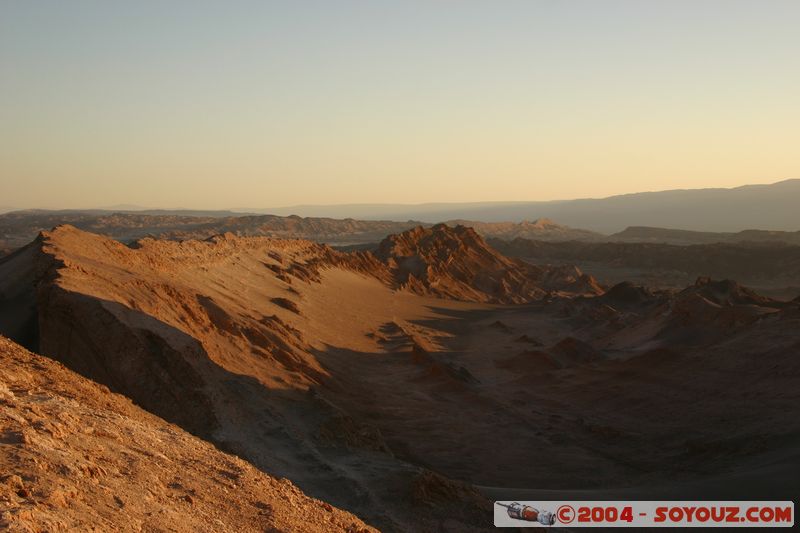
[408,382]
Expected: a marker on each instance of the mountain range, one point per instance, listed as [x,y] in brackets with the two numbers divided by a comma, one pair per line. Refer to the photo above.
[770,207]
[765,207]
[19,227]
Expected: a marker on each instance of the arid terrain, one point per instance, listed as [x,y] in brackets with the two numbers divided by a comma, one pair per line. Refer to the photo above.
[405,384]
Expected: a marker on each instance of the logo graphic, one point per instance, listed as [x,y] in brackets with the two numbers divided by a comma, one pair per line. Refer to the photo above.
[517,511]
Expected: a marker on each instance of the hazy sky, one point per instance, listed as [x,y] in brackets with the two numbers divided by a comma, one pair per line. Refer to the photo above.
[258,104]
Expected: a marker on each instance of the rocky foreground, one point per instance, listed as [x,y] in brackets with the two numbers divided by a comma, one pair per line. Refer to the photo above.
[76,457]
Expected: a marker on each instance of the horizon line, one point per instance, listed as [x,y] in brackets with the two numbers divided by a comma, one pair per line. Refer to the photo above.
[250,210]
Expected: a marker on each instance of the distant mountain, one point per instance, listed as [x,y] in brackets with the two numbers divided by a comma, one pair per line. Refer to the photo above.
[677,236]
[771,207]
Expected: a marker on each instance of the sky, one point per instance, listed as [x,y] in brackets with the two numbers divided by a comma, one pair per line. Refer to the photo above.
[212,105]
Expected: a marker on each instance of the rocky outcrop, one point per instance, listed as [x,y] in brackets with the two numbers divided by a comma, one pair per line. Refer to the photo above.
[457,263]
